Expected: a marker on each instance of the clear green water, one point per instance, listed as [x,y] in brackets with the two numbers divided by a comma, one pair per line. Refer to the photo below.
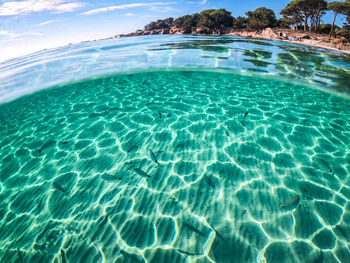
[250,170]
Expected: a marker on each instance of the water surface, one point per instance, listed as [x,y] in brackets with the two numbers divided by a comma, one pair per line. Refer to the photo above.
[250,168]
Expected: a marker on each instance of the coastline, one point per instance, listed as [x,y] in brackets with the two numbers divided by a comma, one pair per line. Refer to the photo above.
[283,35]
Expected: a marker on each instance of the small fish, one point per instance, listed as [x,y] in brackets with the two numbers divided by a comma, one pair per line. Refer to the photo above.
[245,114]
[160,115]
[323,165]
[94,115]
[192,228]
[114,108]
[292,201]
[47,145]
[132,148]
[153,157]
[109,177]
[141,173]
[65,142]
[19,253]
[169,115]
[59,188]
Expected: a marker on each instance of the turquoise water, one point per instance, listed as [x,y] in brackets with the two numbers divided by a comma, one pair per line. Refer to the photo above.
[175,165]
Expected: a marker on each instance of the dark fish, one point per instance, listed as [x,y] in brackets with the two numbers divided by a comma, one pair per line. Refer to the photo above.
[160,115]
[323,165]
[94,115]
[109,177]
[19,253]
[245,114]
[152,156]
[134,147]
[63,256]
[217,233]
[141,173]
[59,188]
[65,142]
[169,114]
[192,228]
[47,145]
[114,108]
[292,201]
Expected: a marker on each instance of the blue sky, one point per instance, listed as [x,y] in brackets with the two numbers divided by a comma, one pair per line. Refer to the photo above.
[30,25]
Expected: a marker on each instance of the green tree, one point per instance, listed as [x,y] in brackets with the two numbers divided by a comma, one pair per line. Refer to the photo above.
[338,8]
[205,19]
[222,18]
[215,19]
[291,16]
[305,10]
[187,22]
[261,18]
[317,9]
[159,24]
[240,22]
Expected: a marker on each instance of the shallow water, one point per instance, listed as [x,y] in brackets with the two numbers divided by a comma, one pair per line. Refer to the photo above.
[250,169]
[324,69]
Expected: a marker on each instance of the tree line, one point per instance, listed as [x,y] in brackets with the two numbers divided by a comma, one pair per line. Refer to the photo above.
[298,14]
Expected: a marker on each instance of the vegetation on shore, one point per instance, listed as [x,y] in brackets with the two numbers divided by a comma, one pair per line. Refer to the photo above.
[298,14]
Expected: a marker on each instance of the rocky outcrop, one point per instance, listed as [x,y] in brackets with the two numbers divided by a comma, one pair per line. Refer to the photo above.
[268,34]
[304,38]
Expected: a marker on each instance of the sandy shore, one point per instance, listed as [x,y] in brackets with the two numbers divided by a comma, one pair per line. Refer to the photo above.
[296,37]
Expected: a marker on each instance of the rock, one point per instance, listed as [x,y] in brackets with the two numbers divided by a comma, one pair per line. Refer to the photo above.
[200,30]
[268,34]
[164,31]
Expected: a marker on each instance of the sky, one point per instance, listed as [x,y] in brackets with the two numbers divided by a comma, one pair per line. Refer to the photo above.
[27,26]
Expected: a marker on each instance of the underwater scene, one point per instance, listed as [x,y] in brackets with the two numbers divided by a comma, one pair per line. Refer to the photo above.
[179,163]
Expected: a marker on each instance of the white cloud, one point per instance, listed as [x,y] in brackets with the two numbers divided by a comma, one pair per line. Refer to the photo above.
[164,9]
[32,6]
[129,14]
[11,40]
[203,2]
[7,34]
[46,23]
[120,7]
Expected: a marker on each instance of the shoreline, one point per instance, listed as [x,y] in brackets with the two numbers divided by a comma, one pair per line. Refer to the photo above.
[283,35]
